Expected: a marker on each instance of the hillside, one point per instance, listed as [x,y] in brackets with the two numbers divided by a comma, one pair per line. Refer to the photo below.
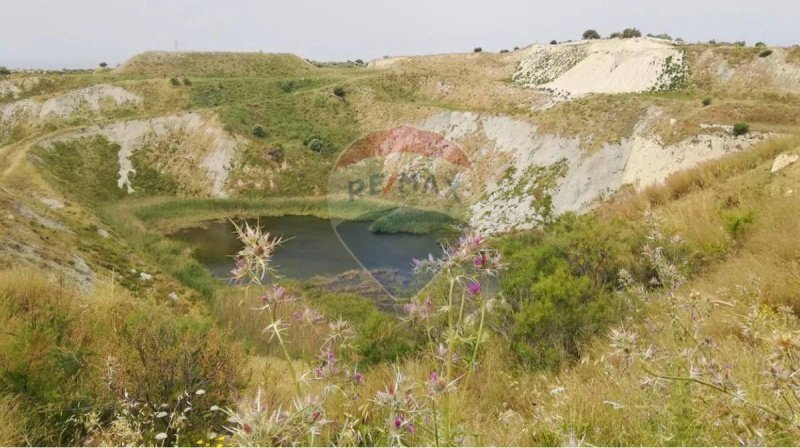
[638,263]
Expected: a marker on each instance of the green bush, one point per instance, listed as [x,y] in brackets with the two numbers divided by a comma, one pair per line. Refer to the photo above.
[259,132]
[553,42]
[339,91]
[561,284]
[760,44]
[564,311]
[187,81]
[315,144]
[615,35]
[4,71]
[175,82]
[591,34]
[741,129]
[477,50]
[628,33]
[765,53]
[735,222]
[504,51]
[103,65]
[707,101]
[740,43]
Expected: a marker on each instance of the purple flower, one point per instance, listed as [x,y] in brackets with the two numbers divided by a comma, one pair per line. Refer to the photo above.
[398,422]
[358,377]
[479,260]
[474,288]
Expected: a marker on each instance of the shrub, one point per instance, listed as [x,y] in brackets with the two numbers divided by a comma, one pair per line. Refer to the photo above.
[477,50]
[174,81]
[103,65]
[564,311]
[187,82]
[561,282]
[4,71]
[339,91]
[275,154]
[553,42]
[628,33]
[735,222]
[740,129]
[503,51]
[760,44]
[615,35]
[516,48]
[660,36]
[591,34]
[765,53]
[707,101]
[740,43]
[259,132]
[315,144]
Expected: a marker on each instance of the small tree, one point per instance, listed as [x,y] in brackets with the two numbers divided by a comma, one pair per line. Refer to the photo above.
[477,50]
[591,34]
[4,71]
[615,35]
[765,53]
[103,65]
[740,129]
[516,48]
[760,44]
[259,131]
[553,42]
[339,91]
[706,101]
[628,33]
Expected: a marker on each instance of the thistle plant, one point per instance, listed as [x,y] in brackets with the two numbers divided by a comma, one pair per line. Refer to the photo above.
[468,266]
[254,263]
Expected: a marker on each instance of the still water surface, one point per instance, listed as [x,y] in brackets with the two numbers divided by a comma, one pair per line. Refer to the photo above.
[312,247]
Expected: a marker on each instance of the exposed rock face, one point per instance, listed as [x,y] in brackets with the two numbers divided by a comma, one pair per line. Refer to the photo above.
[90,99]
[193,140]
[14,88]
[784,160]
[601,66]
[526,174]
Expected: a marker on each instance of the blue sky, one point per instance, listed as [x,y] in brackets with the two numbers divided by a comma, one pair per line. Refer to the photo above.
[82,33]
